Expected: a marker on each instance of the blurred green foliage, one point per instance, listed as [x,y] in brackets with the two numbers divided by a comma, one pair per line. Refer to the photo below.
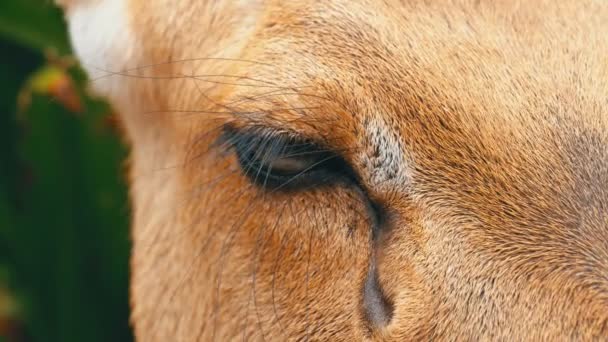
[64,238]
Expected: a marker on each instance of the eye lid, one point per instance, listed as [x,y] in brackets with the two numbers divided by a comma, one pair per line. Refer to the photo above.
[257,147]
[232,131]
[273,139]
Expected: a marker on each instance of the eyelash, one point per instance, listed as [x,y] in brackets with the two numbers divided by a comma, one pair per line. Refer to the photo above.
[256,148]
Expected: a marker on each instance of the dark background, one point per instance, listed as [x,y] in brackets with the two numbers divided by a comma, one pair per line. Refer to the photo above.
[64,239]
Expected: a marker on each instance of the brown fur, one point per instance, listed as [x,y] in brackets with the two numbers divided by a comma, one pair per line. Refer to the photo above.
[491,122]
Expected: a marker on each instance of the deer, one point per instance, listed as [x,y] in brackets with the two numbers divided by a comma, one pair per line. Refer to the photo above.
[360,170]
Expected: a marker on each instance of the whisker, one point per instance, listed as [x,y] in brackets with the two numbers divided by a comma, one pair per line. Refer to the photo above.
[148,66]
[254,274]
[307,281]
[196,111]
[223,251]
[274,274]
[177,77]
[252,292]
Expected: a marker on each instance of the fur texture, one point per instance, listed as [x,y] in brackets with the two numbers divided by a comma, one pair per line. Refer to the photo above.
[479,127]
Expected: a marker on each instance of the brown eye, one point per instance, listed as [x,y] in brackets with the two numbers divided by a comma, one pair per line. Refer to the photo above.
[283,162]
[291,164]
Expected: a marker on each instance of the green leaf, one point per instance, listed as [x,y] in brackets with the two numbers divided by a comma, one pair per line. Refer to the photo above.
[63,204]
[37,24]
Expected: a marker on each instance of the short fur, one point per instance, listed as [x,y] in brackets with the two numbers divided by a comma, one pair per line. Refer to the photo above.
[479,127]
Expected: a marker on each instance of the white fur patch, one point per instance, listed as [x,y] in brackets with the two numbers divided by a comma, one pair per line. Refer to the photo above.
[388,163]
[103,40]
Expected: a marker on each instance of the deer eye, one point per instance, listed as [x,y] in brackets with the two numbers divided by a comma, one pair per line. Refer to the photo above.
[282,161]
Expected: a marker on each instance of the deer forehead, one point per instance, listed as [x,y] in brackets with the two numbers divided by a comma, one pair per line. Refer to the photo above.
[487,64]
